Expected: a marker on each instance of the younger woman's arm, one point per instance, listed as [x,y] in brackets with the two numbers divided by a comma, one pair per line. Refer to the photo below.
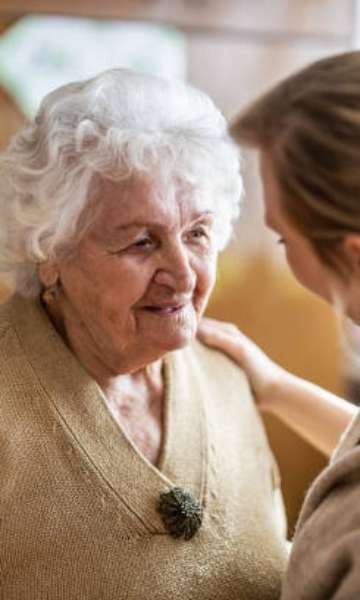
[315,414]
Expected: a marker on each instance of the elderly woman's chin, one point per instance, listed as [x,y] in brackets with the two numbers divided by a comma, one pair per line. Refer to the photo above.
[149,348]
[170,329]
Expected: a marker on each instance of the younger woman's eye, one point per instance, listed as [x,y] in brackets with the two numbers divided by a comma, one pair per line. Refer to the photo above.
[281,241]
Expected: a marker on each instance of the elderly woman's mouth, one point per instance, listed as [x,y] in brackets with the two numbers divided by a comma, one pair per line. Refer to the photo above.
[165,311]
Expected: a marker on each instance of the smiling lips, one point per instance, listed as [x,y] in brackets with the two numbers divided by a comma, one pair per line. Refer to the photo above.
[165,311]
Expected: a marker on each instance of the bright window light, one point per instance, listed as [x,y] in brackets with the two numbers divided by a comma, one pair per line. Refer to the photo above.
[38,54]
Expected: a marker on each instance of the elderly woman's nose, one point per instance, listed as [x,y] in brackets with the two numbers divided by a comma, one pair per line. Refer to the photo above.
[176,271]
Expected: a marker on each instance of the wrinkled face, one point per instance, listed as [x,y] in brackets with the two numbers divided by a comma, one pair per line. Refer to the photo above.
[141,277]
[301,258]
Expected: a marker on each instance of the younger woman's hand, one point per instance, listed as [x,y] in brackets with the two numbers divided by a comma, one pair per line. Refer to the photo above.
[264,375]
[314,413]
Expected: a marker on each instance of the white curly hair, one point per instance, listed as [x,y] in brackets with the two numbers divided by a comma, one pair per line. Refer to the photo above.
[114,126]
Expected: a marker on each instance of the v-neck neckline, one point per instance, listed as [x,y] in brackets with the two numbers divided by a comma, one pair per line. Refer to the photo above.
[81,407]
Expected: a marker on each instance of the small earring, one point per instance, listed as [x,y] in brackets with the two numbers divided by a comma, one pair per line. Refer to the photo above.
[50,293]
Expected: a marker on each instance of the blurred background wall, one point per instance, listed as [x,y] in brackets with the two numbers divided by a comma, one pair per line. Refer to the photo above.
[233,50]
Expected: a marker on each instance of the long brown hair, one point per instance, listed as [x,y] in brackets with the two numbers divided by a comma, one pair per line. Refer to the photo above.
[309,126]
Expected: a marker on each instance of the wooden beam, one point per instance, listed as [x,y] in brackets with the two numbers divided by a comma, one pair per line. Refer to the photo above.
[329,17]
[5,23]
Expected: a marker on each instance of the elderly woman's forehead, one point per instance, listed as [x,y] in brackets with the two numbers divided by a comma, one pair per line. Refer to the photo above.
[156,184]
[121,200]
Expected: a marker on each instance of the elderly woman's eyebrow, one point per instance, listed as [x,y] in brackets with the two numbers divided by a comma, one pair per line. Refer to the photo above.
[156,224]
[205,213]
[131,225]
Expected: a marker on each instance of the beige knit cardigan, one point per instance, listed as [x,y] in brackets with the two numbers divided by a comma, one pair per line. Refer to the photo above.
[78,501]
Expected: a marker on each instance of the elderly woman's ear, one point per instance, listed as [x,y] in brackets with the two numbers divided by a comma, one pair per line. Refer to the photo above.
[48,273]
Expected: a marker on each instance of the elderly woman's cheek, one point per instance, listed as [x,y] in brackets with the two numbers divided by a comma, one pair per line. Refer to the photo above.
[206,281]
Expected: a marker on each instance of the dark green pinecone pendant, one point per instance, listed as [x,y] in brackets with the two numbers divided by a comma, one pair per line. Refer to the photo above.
[180,513]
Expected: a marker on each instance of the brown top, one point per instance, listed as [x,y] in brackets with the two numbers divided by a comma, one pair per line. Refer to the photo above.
[78,516]
[325,559]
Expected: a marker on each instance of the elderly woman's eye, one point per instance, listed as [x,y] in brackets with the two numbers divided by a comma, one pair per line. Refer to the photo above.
[199,233]
[145,242]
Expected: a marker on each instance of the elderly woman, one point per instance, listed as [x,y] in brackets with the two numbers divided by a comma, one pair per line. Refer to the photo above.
[133,461]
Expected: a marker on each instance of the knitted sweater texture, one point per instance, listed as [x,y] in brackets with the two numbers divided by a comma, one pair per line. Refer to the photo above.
[78,501]
[325,557]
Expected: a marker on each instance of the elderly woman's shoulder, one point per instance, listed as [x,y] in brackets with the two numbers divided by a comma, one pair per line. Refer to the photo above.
[226,393]
[11,359]
[6,318]
[13,315]
[218,364]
